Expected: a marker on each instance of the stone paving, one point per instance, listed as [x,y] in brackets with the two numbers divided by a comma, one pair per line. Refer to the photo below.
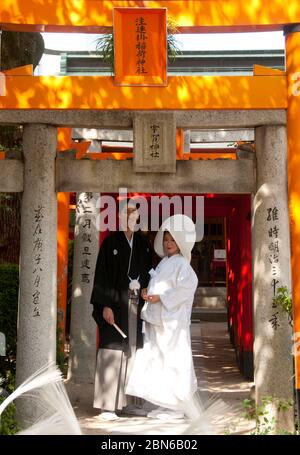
[218,376]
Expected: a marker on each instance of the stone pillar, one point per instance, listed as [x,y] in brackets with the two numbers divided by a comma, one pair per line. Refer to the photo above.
[83,327]
[37,292]
[271,263]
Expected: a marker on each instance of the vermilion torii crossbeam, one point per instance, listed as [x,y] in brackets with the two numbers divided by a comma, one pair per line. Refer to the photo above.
[190,15]
[182,92]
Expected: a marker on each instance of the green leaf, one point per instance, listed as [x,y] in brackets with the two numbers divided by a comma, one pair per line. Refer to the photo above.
[105,45]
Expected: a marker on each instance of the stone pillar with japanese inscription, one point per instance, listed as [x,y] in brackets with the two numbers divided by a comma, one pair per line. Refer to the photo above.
[83,328]
[154,139]
[36,337]
[273,362]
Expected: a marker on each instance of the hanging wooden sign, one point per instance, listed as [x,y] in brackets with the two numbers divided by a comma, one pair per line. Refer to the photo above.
[140,46]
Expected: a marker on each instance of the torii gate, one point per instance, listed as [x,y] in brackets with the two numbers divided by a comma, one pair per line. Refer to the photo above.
[41,102]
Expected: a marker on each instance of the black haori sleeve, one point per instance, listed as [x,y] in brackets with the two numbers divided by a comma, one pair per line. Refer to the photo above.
[147,265]
[103,292]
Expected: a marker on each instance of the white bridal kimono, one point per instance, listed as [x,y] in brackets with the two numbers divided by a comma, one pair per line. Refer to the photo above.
[163,372]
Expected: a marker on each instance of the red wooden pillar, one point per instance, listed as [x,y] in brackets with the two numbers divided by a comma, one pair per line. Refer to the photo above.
[63,201]
[232,275]
[245,288]
[240,283]
[293,115]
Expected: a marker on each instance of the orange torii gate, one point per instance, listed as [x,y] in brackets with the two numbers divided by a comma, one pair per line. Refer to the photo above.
[265,90]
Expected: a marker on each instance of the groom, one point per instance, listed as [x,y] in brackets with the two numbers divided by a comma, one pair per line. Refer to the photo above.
[124,260]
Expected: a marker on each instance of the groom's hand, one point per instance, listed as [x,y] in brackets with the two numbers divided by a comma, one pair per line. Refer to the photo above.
[143,293]
[108,315]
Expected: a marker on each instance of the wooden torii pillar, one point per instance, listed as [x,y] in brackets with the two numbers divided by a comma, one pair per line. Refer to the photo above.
[63,201]
[293,116]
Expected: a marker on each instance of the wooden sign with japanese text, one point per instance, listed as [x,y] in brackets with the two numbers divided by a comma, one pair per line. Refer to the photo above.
[154,142]
[140,46]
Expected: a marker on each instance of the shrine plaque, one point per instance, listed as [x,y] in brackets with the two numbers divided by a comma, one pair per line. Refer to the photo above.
[154,142]
[140,46]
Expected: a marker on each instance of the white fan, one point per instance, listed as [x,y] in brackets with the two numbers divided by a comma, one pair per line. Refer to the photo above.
[56,415]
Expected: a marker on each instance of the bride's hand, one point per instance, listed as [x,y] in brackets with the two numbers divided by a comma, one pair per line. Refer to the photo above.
[152,298]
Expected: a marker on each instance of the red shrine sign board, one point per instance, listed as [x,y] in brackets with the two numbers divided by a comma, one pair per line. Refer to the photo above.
[140,46]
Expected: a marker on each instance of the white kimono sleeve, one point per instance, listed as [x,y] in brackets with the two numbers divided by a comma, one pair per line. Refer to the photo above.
[183,291]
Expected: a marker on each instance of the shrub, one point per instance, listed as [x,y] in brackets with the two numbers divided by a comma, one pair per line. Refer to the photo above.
[9,284]
[8,424]
[283,300]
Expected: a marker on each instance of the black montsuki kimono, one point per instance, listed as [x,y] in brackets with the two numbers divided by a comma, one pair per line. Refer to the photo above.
[111,284]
